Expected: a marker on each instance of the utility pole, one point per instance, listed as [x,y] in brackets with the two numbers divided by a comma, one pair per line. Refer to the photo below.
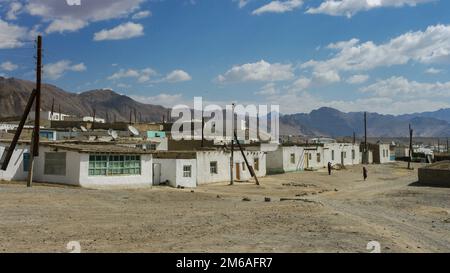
[354,138]
[34,147]
[366,148]
[447,146]
[135,116]
[131,116]
[93,120]
[203,130]
[53,110]
[232,147]
[410,146]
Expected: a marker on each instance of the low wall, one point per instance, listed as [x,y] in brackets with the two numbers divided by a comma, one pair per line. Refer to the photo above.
[434,177]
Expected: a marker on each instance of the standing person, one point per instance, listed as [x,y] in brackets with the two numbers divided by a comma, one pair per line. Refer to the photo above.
[365,173]
[329,168]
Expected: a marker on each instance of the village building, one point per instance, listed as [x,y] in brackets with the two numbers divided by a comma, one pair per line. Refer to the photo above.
[287,158]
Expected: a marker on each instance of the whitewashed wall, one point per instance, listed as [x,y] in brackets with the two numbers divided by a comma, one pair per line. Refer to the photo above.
[188,182]
[144,179]
[387,155]
[312,161]
[72,168]
[280,160]
[338,148]
[15,171]
[223,165]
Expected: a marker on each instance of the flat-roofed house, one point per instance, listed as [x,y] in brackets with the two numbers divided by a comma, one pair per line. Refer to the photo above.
[287,158]
[85,165]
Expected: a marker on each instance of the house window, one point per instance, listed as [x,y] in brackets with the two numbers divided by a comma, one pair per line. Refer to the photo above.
[187,171]
[293,158]
[384,153]
[353,154]
[332,155]
[26,162]
[213,167]
[256,161]
[55,164]
[114,165]
[243,166]
[310,156]
[345,154]
[318,157]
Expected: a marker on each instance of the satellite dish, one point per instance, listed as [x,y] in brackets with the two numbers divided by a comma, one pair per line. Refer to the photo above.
[133,130]
[113,134]
[74,129]
[83,128]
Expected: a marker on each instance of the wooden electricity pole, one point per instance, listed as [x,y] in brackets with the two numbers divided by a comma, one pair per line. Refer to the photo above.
[250,168]
[34,147]
[232,147]
[366,148]
[410,146]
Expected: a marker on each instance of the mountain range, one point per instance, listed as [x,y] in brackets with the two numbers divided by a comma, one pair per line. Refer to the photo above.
[325,122]
[14,95]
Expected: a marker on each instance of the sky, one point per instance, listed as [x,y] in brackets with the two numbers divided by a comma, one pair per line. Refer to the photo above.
[385,56]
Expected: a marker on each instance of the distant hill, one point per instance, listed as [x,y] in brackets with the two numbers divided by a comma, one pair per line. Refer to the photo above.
[325,121]
[333,123]
[14,95]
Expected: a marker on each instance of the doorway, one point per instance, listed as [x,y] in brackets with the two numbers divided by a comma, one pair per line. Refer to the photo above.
[238,171]
[156,174]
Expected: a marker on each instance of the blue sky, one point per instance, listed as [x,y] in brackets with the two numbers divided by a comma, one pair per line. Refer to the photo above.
[355,55]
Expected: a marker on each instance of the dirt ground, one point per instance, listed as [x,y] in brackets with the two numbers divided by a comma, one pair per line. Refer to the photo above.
[338,213]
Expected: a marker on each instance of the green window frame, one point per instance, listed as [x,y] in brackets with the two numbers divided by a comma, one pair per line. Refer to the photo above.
[114,165]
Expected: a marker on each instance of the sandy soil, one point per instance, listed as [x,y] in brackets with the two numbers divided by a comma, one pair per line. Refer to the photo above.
[338,213]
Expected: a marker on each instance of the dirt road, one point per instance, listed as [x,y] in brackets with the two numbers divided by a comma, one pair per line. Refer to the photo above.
[338,213]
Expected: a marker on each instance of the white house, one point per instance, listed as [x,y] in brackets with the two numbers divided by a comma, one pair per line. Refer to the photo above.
[84,165]
[287,158]
[345,154]
[91,119]
[193,168]
[47,115]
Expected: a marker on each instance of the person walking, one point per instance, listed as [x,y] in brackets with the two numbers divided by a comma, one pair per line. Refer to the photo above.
[329,168]
[365,173]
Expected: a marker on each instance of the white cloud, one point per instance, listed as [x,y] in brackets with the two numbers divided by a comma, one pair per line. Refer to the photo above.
[177,76]
[358,79]
[242,3]
[402,87]
[268,89]
[304,102]
[68,18]
[11,36]
[8,66]
[65,25]
[433,70]
[14,9]
[124,31]
[326,77]
[426,47]
[142,75]
[278,7]
[260,71]
[142,14]
[56,70]
[164,99]
[350,7]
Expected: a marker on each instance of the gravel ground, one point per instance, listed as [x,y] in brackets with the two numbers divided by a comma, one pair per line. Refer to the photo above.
[321,213]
